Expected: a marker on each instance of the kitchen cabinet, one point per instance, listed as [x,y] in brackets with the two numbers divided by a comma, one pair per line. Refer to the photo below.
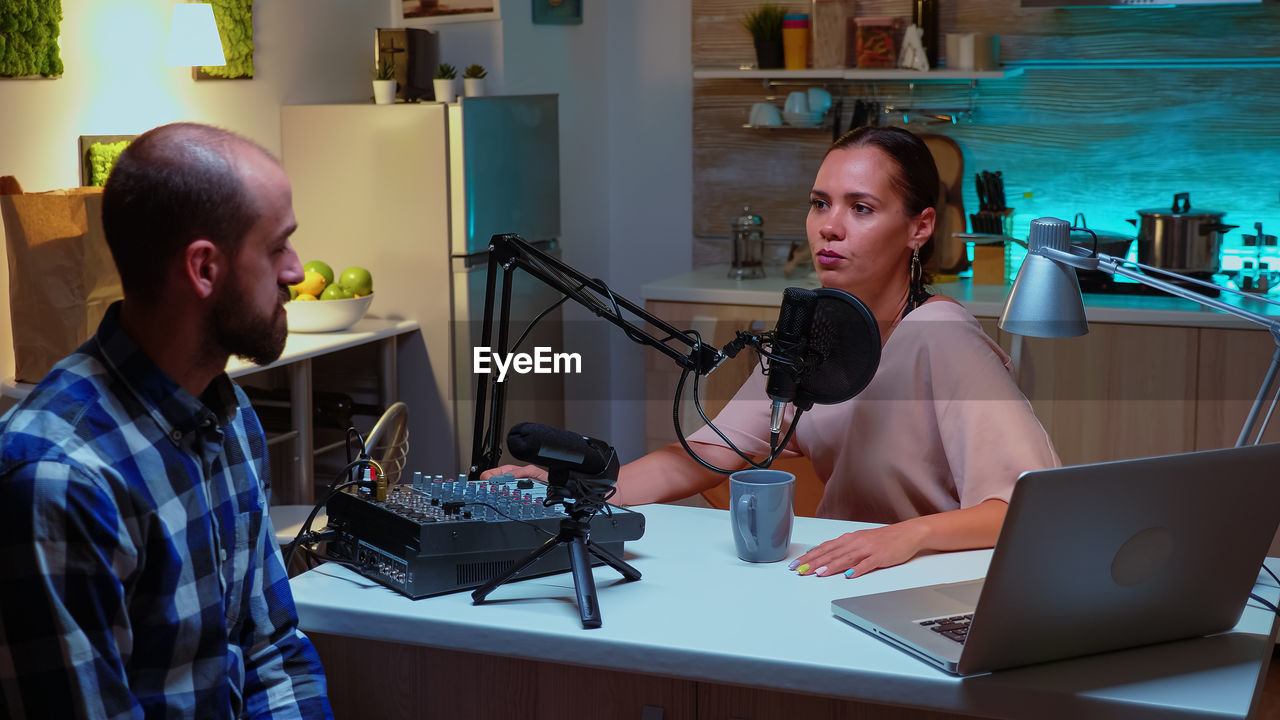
[1124,390]
[457,684]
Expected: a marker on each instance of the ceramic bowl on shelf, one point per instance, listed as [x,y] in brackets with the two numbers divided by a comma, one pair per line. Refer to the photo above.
[320,316]
[802,119]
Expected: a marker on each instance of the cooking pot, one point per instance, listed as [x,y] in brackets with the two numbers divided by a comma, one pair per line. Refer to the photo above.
[1109,243]
[1181,239]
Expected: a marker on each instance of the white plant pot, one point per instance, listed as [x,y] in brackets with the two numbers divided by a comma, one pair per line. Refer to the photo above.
[384,92]
[473,87]
[444,90]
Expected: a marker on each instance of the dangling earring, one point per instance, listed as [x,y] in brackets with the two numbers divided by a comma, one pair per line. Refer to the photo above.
[915,276]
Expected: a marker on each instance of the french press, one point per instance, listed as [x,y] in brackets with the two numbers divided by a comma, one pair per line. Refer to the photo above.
[747,237]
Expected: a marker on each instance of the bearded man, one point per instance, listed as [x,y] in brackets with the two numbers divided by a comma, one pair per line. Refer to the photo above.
[139,574]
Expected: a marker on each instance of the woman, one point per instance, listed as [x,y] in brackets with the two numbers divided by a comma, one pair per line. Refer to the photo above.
[933,445]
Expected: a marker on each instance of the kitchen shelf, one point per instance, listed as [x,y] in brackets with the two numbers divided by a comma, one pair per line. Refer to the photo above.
[822,126]
[855,75]
[1152,64]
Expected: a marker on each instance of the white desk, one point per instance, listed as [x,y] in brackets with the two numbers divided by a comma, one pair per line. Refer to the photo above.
[299,349]
[704,617]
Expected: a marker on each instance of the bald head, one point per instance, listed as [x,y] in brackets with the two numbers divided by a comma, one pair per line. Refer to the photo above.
[170,186]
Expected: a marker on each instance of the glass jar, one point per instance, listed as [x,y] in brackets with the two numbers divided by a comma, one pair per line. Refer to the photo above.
[747,238]
[875,42]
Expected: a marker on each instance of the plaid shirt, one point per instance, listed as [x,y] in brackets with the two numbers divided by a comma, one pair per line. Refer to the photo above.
[139,574]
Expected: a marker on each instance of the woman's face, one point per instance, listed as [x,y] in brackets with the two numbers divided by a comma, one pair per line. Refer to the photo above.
[858,229]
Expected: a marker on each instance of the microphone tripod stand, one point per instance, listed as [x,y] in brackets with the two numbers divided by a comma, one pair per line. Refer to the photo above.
[575,534]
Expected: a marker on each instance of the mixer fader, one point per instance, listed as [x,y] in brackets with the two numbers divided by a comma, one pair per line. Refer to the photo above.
[441,534]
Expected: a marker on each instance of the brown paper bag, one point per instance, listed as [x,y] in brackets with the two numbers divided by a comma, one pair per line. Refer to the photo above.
[61,276]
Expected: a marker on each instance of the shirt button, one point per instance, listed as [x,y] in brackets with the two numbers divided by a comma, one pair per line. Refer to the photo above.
[176,436]
[222,553]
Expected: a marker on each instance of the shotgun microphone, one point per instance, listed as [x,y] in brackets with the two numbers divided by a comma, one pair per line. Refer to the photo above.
[554,448]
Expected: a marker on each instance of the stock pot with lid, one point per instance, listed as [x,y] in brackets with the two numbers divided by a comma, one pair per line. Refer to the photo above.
[1180,238]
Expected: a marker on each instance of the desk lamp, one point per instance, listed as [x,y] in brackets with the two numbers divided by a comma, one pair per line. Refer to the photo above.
[1046,302]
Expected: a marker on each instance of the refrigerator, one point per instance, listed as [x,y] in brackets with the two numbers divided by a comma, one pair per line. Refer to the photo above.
[413,192]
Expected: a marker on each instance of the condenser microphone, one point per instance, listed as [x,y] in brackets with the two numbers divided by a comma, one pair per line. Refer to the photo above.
[789,339]
[560,449]
[826,349]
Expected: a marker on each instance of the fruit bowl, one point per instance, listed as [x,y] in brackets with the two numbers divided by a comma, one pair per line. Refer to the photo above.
[319,316]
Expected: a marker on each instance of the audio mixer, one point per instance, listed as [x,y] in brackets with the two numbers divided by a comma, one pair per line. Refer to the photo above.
[442,534]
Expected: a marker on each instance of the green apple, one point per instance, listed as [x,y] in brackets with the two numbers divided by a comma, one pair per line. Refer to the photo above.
[335,292]
[357,280]
[322,268]
[293,293]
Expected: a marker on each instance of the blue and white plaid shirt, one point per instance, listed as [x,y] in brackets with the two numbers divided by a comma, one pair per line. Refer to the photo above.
[139,574]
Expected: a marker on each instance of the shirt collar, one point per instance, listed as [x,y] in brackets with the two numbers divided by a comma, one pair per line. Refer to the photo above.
[178,412]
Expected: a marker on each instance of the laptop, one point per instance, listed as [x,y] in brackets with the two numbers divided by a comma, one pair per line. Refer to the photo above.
[1094,558]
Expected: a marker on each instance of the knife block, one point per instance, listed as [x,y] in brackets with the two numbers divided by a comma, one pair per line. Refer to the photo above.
[988,264]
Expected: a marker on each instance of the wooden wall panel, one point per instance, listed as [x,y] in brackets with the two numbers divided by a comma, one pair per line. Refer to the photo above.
[1103,141]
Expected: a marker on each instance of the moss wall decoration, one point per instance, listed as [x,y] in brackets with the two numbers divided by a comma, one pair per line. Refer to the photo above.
[29,38]
[235,25]
[102,158]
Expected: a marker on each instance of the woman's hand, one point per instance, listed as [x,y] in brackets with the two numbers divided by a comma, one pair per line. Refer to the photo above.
[862,551]
[858,553]
[520,471]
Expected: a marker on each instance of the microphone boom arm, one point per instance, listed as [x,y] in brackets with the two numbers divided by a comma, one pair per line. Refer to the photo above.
[511,252]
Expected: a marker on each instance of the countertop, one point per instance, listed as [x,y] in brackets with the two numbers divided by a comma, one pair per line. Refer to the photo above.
[707,616]
[712,285]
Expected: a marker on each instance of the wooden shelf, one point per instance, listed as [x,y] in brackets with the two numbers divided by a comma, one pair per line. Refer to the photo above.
[820,126]
[854,75]
[1152,64]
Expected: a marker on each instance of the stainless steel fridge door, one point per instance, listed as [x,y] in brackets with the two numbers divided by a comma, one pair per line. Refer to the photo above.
[504,155]
[531,397]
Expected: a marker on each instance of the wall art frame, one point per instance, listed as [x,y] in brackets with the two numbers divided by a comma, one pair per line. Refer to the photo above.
[557,12]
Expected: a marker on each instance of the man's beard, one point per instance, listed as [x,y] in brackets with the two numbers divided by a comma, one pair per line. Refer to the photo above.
[239,330]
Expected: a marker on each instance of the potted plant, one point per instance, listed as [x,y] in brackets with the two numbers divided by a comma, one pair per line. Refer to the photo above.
[384,81]
[473,80]
[443,82]
[765,25]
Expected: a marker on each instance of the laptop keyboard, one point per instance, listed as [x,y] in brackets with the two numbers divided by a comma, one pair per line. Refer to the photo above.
[955,627]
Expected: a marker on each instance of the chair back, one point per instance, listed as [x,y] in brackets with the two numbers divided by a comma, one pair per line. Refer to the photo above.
[388,441]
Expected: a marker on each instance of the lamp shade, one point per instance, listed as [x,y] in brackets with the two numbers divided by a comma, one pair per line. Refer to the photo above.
[193,37]
[1045,300]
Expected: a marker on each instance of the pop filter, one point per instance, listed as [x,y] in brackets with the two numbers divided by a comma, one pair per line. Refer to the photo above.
[843,350]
